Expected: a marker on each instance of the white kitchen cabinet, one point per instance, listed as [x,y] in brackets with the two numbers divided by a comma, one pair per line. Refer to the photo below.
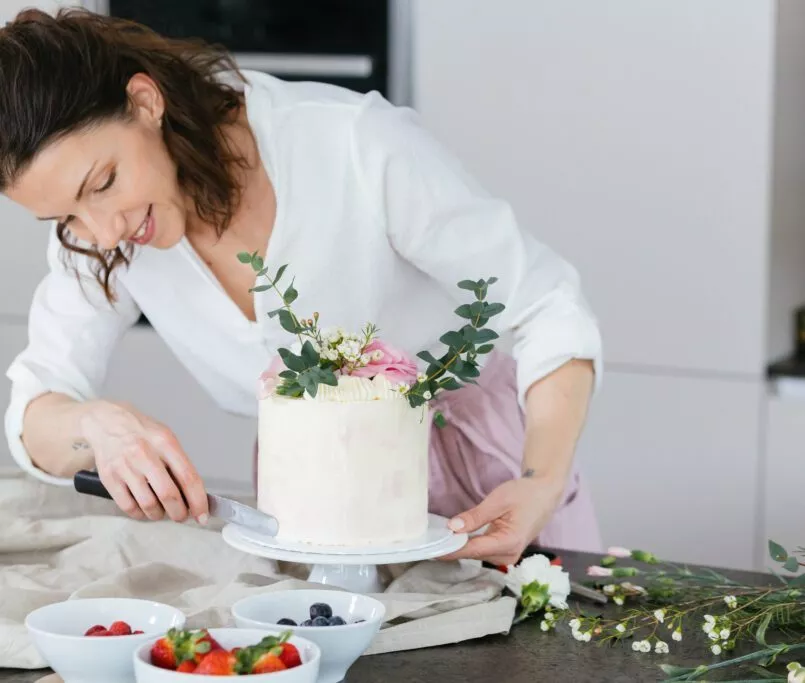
[13,335]
[636,138]
[784,481]
[673,463]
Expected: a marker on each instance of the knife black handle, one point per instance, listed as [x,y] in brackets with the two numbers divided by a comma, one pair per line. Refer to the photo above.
[89,482]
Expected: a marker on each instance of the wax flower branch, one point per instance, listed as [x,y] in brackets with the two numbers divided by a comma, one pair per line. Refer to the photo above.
[662,602]
[321,356]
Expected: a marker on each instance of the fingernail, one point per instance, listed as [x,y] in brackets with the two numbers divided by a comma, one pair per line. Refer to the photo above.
[456,524]
[203,519]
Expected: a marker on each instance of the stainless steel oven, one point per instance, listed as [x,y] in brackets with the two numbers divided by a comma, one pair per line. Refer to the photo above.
[360,44]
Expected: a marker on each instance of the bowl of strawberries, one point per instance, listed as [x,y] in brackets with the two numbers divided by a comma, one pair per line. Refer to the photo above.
[92,640]
[185,655]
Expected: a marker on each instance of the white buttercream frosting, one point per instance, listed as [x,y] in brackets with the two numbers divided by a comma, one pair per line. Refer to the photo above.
[353,389]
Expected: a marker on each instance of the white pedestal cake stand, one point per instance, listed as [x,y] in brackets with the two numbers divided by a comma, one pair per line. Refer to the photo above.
[354,569]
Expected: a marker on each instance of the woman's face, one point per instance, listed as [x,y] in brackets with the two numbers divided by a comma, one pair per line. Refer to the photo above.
[113,183]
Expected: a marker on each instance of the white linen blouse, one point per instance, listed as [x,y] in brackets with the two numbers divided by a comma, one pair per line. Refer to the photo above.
[376,221]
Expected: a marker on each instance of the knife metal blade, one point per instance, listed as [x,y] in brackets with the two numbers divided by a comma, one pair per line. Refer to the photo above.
[226,509]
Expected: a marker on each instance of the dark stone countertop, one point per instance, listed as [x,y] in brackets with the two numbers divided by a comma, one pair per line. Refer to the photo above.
[526,655]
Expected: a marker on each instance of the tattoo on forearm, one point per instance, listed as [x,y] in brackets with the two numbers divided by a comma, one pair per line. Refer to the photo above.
[528,473]
[81,446]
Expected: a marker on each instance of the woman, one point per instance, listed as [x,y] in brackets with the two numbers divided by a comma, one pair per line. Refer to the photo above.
[158,163]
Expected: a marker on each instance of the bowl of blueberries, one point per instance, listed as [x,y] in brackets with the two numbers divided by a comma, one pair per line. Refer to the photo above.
[341,623]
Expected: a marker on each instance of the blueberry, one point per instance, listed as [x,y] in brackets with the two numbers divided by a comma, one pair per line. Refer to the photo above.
[321,609]
[286,622]
[337,621]
[321,621]
[307,622]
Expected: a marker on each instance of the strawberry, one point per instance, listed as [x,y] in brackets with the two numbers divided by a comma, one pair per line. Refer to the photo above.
[187,667]
[267,663]
[95,630]
[290,656]
[120,628]
[177,647]
[218,663]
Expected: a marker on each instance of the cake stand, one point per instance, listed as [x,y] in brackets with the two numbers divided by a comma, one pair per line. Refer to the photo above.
[352,568]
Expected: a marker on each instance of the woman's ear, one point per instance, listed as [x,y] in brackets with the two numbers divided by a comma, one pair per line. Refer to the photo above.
[146,99]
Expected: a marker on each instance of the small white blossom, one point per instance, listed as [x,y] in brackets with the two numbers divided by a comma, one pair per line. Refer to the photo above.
[645,646]
[677,635]
[549,616]
[545,625]
[659,615]
[421,377]
[636,646]
[427,396]
[586,637]
[620,628]
[725,634]
[716,649]
[377,355]
[575,624]
[731,601]
[796,673]
[618,601]
[712,635]
[661,648]
[709,618]
[610,588]
[707,627]
[578,635]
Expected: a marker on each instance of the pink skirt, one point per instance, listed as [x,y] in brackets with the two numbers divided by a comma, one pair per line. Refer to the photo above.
[481,446]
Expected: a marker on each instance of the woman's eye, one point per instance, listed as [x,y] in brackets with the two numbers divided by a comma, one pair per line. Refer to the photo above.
[109,182]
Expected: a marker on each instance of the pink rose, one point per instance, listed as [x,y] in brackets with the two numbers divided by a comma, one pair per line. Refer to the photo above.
[270,378]
[386,360]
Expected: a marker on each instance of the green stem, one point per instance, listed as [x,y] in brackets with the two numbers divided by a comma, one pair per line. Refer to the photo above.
[758,654]
[287,307]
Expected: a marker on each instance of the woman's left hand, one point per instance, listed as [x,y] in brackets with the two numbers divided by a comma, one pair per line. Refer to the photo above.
[516,512]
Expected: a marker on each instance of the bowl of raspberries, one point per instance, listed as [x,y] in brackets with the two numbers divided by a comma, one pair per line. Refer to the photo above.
[93,640]
[341,623]
[260,654]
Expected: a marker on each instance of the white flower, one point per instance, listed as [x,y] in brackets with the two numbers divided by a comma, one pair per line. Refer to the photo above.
[796,672]
[716,649]
[677,635]
[549,616]
[712,635]
[725,633]
[709,618]
[645,646]
[731,601]
[659,615]
[578,635]
[661,648]
[421,377]
[707,627]
[586,637]
[538,569]
[617,551]
[377,355]
[610,588]
[575,624]
[545,626]
[618,601]
[427,396]
[620,628]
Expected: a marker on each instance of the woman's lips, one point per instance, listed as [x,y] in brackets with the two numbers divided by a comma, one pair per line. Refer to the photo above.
[145,233]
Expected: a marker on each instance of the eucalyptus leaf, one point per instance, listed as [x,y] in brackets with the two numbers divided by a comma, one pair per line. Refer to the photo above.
[274,313]
[244,257]
[260,288]
[279,273]
[292,361]
[485,348]
[257,262]
[470,334]
[427,356]
[468,284]
[452,339]
[777,552]
[797,581]
[477,308]
[290,295]
[326,376]
[791,564]
[449,383]
[438,420]
[464,311]
[493,309]
[487,335]
[288,374]
[288,322]
[491,281]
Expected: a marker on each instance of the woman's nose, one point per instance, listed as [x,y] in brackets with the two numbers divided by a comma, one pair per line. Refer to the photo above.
[108,229]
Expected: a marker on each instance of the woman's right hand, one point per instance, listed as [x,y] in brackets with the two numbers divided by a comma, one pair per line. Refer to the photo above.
[142,465]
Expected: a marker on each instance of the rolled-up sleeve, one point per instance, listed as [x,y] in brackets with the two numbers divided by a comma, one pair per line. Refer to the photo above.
[72,330]
[440,219]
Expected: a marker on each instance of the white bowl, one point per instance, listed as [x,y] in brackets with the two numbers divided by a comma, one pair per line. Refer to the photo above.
[228,638]
[57,632]
[340,645]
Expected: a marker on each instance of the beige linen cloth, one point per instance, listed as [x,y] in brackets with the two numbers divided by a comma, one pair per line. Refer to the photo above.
[56,544]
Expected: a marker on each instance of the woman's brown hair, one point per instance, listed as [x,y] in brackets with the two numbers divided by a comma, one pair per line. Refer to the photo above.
[68,72]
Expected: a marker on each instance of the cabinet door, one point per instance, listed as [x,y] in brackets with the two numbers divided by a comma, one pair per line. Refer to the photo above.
[784,504]
[673,465]
[634,138]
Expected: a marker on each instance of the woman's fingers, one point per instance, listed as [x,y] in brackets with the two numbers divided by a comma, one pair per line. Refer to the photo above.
[143,494]
[184,474]
[121,495]
[159,478]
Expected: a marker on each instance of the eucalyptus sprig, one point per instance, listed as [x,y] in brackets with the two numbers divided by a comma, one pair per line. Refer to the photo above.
[307,370]
[459,365]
